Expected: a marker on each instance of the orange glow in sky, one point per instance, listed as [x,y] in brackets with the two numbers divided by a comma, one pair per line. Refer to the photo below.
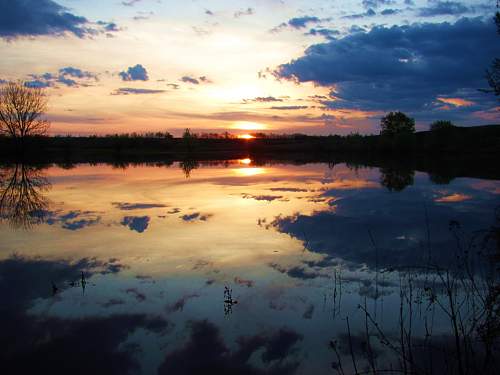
[245,172]
[248,125]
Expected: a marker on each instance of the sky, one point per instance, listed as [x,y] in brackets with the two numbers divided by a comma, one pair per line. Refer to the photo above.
[282,66]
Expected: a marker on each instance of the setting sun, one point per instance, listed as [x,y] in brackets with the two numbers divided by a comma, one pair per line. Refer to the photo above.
[245,161]
[246,136]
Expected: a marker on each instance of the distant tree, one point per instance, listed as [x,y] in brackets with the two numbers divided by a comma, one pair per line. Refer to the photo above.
[397,123]
[188,139]
[442,125]
[21,110]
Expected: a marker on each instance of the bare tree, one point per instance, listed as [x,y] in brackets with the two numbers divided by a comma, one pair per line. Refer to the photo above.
[21,110]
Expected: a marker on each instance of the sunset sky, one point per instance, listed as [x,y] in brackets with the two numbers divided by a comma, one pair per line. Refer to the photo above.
[308,66]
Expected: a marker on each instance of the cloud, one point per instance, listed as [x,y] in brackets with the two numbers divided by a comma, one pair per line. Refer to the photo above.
[457,102]
[409,67]
[195,80]
[296,23]
[72,220]
[134,73]
[296,272]
[42,17]
[68,76]
[247,283]
[137,223]
[181,302]
[76,73]
[244,12]
[135,91]
[376,3]
[390,12]
[262,99]
[196,216]
[293,190]
[263,197]
[130,3]
[337,233]
[139,296]
[443,8]
[302,22]
[327,33]
[289,107]
[125,206]
[214,356]
[369,13]
[34,276]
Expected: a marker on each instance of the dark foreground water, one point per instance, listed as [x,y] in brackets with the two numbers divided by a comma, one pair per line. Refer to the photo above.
[233,268]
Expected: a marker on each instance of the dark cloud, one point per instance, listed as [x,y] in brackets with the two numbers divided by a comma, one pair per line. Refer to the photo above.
[72,220]
[181,302]
[247,283]
[42,17]
[139,296]
[376,3]
[263,197]
[33,277]
[68,76]
[135,91]
[390,12]
[402,242]
[125,206]
[137,223]
[244,12]
[262,99]
[196,216]
[195,80]
[296,23]
[294,190]
[369,13]
[289,107]
[296,272]
[443,8]
[302,22]
[134,73]
[409,67]
[327,33]
[76,342]
[213,356]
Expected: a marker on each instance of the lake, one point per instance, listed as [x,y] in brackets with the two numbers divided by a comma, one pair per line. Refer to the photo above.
[247,268]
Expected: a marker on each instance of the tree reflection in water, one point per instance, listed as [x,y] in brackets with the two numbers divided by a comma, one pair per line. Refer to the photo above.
[22,200]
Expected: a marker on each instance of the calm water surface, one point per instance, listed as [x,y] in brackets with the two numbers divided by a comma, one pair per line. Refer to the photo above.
[229,267]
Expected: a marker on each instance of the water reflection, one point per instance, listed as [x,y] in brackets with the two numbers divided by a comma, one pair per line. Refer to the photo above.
[22,200]
[302,268]
[396,179]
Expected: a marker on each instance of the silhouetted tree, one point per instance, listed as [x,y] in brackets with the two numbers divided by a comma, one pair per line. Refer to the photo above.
[21,110]
[188,139]
[396,123]
[442,125]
